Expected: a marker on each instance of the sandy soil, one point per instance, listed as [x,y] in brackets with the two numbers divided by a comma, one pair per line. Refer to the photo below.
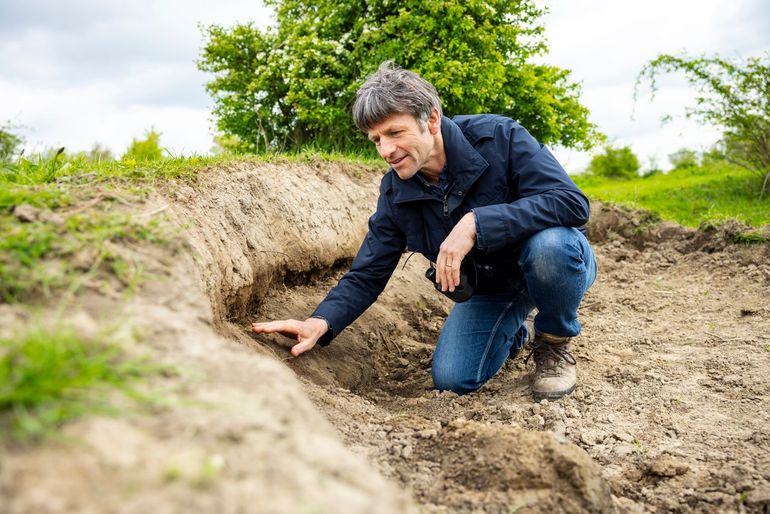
[670,414]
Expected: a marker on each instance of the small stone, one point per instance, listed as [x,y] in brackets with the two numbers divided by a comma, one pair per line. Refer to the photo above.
[623,450]
[26,213]
[667,467]
[759,498]
[623,436]
[572,412]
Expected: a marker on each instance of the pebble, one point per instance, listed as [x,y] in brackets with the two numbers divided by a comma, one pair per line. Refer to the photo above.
[623,436]
[666,466]
[623,450]
[572,412]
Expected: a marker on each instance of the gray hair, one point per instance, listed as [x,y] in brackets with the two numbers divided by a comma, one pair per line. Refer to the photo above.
[394,90]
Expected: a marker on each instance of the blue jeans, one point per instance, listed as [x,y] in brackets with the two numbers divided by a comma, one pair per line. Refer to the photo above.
[558,267]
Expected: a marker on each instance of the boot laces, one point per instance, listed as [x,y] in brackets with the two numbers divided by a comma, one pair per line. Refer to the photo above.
[549,357]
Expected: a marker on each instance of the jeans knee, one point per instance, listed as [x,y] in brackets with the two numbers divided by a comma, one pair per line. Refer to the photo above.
[444,381]
[546,253]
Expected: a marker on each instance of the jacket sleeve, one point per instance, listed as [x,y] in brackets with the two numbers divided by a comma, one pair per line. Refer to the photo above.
[368,275]
[545,196]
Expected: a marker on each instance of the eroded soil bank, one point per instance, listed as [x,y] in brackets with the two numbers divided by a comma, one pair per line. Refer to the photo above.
[670,414]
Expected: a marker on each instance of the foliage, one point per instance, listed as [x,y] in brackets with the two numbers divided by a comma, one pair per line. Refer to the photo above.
[684,158]
[9,142]
[49,376]
[291,84]
[733,94]
[715,191]
[144,150]
[615,163]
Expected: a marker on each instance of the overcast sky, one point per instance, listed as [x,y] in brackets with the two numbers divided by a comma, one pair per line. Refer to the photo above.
[84,71]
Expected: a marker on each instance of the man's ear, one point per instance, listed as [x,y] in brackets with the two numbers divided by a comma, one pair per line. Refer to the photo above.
[434,121]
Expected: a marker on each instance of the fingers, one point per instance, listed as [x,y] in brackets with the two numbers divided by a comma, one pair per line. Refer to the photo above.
[303,346]
[448,270]
[305,333]
[286,326]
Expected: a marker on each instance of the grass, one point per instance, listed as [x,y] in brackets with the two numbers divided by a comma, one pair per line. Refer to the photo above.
[49,376]
[713,193]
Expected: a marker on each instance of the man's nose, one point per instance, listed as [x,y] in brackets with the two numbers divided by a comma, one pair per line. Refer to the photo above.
[386,148]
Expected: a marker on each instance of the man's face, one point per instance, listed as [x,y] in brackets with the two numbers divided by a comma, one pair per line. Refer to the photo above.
[404,143]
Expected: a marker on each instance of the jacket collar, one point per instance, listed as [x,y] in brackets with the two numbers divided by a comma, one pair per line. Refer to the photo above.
[464,166]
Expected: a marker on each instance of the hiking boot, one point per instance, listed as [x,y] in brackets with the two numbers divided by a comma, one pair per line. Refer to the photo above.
[555,367]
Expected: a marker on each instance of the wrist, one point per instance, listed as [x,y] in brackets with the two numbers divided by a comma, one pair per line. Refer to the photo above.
[320,325]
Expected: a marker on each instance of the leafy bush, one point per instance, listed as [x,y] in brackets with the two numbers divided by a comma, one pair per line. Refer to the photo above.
[615,163]
[9,143]
[293,84]
[144,150]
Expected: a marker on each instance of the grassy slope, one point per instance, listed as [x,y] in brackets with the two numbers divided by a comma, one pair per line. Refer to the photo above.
[712,193]
[60,219]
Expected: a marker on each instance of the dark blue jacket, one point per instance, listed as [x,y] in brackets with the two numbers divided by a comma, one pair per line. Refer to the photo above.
[513,184]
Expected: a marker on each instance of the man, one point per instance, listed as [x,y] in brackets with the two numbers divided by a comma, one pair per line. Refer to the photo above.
[480,198]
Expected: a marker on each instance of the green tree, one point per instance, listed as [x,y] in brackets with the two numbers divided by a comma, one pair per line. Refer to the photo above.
[147,149]
[9,142]
[733,94]
[616,163]
[293,83]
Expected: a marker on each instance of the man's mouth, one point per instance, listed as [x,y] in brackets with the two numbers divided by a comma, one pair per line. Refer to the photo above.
[395,162]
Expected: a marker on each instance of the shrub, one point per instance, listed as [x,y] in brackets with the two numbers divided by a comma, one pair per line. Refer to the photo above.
[615,163]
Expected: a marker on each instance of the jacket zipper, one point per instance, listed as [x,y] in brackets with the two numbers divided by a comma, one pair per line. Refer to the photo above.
[446,199]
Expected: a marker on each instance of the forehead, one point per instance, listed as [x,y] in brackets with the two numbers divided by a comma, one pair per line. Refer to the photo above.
[392,122]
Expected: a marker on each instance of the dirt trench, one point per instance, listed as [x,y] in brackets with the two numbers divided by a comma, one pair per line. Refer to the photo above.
[670,413]
[672,403]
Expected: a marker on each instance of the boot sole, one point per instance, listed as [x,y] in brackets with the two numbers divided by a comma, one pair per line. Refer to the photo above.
[552,395]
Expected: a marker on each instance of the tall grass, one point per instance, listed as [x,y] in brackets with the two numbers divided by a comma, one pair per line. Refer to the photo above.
[49,376]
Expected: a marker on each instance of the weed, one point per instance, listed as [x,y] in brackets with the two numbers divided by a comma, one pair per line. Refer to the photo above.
[640,448]
[742,497]
[172,474]
[49,376]
[750,237]
[209,471]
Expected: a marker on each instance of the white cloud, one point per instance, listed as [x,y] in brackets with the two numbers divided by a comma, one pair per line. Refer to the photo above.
[88,71]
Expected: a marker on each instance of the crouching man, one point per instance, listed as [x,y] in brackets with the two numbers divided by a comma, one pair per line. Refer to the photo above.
[494,212]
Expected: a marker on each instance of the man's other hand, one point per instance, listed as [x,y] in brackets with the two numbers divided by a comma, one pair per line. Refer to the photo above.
[453,250]
[307,333]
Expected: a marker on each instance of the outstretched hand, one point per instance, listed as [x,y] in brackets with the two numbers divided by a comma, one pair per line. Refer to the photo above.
[453,250]
[307,333]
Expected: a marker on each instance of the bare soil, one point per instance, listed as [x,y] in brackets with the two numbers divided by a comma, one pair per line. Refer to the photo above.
[670,413]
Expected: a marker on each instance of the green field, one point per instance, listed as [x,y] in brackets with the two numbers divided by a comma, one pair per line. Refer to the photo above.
[714,192]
